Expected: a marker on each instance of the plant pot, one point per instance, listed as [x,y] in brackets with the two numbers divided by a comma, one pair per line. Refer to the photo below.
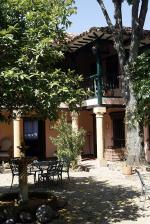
[127,170]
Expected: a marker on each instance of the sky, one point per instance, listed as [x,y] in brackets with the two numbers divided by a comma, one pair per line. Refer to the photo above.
[89,14]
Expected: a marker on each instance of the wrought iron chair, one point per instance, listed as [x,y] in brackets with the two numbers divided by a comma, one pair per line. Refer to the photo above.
[31,171]
[54,170]
[145,188]
[66,167]
[15,171]
[39,167]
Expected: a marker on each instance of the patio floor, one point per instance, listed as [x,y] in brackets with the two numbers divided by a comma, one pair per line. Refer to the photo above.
[102,195]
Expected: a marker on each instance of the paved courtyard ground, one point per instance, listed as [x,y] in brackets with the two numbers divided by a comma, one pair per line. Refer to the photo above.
[102,196]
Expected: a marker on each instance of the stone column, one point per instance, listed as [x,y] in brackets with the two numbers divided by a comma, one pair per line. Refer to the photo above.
[99,111]
[146,143]
[17,135]
[75,125]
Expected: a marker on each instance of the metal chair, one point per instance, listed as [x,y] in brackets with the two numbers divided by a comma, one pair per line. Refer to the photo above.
[31,171]
[14,170]
[5,151]
[145,188]
[66,167]
[14,166]
[54,170]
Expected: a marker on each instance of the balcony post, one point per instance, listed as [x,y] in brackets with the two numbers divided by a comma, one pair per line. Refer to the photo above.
[99,111]
[99,79]
[96,52]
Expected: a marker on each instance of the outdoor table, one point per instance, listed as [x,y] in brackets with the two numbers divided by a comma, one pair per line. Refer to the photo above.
[41,165]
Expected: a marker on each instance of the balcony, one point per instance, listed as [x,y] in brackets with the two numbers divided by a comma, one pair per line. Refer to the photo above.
[105,92]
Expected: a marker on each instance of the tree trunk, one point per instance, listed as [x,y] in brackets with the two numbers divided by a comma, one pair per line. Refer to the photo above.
[133,137]
[22,162]
[23,182]
[23,175]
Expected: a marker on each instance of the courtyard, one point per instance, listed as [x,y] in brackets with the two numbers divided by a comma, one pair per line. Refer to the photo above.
[95,195]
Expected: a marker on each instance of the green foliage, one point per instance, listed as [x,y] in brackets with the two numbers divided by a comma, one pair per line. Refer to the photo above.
[31,46]
[40,92]
[140,76]
[129,2]
[68,142]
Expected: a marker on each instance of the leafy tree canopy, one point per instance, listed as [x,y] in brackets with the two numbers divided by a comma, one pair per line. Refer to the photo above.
[32,33]
[140,76]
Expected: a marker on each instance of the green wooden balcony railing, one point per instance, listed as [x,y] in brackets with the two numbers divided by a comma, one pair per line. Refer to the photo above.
[99,88]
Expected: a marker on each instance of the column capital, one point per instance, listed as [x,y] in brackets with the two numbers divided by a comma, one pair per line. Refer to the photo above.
[99,111]
[17,115]
[74,114]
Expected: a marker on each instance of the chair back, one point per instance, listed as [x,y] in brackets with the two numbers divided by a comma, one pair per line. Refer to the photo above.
[66,165]
[14,167]
[53,165]
[140,178]
[60,167]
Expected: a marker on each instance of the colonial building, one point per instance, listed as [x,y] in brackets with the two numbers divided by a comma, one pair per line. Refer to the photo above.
[91,54]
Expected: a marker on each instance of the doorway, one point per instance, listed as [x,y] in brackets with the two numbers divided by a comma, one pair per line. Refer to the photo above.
[34,137]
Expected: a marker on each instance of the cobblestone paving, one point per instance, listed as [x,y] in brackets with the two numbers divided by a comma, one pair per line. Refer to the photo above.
[100,196]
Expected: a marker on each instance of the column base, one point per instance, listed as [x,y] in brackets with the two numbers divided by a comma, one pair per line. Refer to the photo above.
[79,159]
[101,163]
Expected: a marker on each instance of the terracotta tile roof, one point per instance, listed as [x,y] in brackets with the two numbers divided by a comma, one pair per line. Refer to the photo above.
[75,42]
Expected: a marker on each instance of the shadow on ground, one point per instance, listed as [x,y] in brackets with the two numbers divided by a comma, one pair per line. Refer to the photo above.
[91,202]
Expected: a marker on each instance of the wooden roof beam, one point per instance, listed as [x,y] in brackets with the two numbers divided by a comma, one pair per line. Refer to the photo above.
[83,42]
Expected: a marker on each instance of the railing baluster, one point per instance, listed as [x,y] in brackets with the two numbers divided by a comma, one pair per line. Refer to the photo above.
[100,88]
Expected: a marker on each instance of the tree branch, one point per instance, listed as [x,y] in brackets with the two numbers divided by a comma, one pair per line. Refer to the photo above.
[105,13]
[118,14]
[137,26]
[119,45]
[135,10]
[117,34]
[118,29]
[143,12]
[135,37]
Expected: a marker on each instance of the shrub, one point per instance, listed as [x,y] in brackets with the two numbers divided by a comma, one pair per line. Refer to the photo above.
[68,142]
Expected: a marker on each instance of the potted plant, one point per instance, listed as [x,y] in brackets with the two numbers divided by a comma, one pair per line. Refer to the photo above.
[127,169]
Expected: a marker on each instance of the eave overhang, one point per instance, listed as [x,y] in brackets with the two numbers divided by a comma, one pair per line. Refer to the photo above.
[104,33]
